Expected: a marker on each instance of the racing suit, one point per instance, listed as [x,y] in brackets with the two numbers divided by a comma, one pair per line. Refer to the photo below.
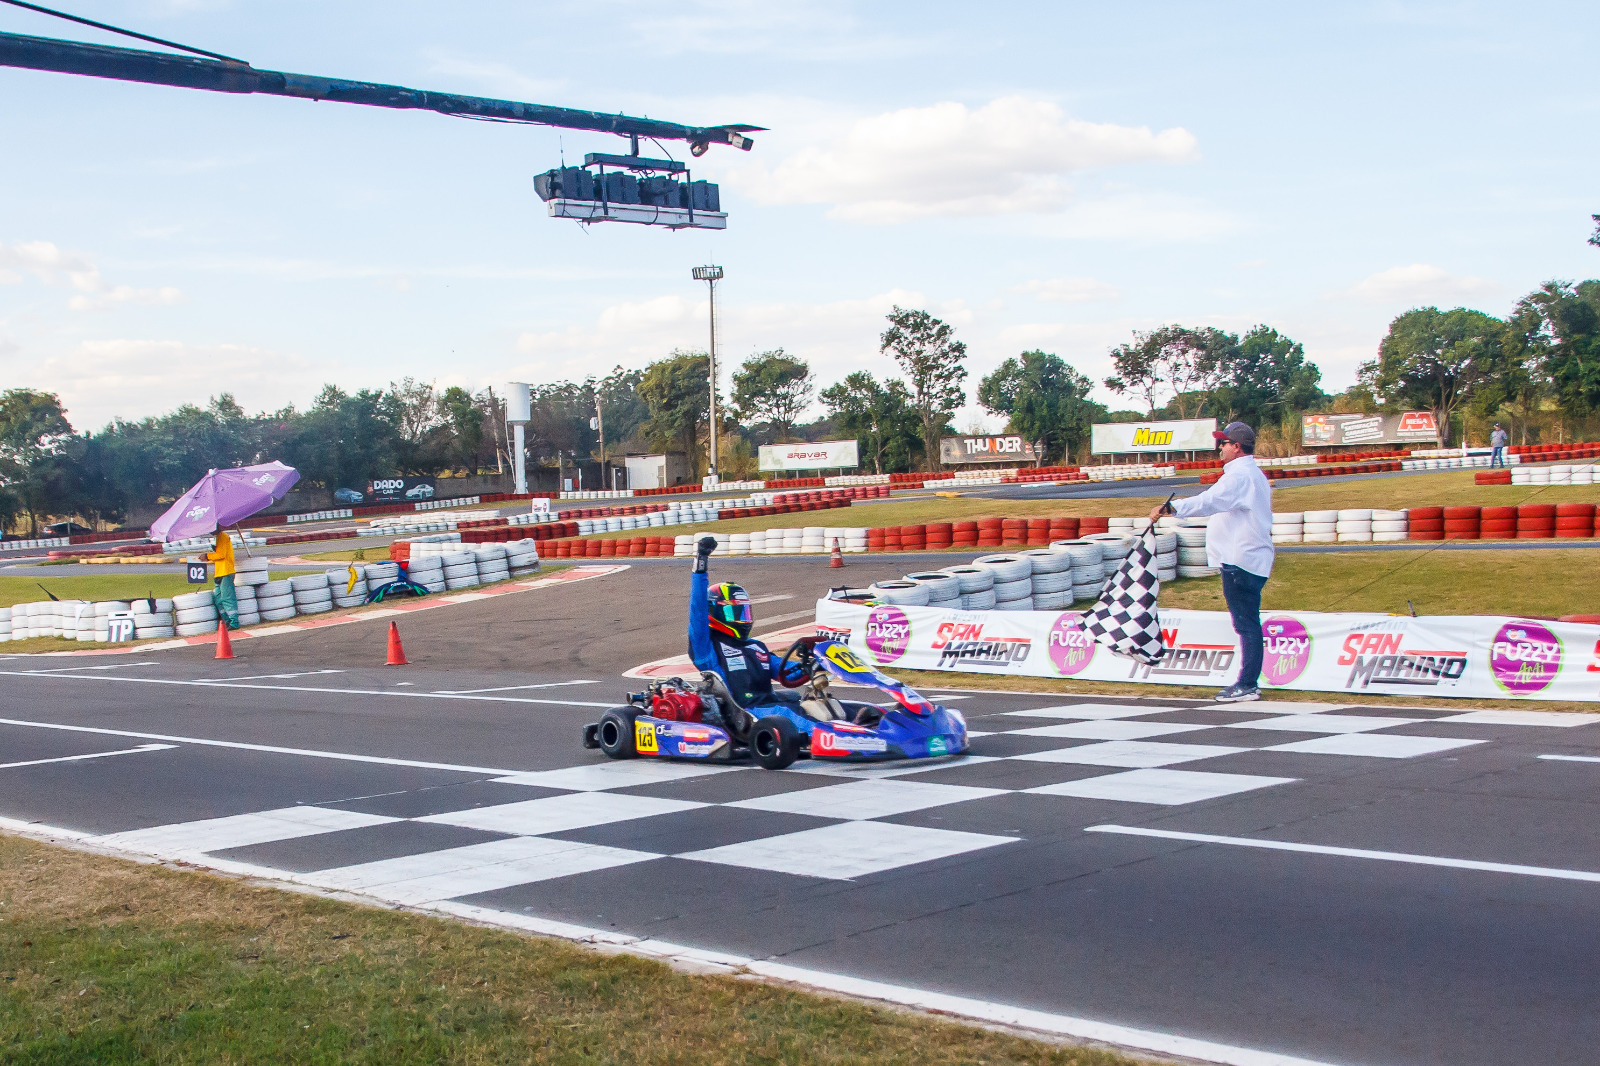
[745,666]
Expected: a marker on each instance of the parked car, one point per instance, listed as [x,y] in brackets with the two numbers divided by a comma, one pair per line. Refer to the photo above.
[420,492]
[348,496]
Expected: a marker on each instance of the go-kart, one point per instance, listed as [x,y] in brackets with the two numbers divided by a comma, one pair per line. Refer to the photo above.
[678,720]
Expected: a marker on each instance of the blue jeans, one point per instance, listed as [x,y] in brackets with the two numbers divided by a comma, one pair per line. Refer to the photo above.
[1498,458]
[1242,590]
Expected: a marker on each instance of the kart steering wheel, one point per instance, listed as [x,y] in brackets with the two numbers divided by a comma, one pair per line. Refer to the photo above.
[804,646]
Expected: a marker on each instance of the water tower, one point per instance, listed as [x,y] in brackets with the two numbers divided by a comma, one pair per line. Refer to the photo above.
[519,412]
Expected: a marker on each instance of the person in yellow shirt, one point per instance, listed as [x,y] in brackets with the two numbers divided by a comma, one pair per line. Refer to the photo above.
[223,594]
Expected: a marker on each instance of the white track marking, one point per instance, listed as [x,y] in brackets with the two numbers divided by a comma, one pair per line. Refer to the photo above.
[92,755]
[597,777]
[306,688]
[1354,853]
[268,748]
[867,799]
[184,839]
[1090,712]
[1572,758]
[512,688]
[557,814]
[1137,754]
[1111,729]
[791,616]
[75,669]
[1374,745]
[1166,787]
[274,677]
[774,598]
[847,850]
[1558,719]
[1323,723]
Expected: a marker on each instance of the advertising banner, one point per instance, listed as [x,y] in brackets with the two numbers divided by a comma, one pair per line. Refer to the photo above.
[401,489]
[1328,431]
[1444,656]
[1007,449]
[822,455]
[1118,438]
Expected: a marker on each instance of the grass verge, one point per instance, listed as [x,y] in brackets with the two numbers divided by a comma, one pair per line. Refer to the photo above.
[109,961]
[1446,488]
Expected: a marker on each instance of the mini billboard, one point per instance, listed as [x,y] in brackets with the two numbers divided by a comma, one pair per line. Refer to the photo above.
[1333,431]
[818,455]
[401,489]
[1009,448]
[1121,438]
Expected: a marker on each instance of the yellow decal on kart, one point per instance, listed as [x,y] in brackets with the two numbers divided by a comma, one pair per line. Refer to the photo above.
[644,738]
[847,660]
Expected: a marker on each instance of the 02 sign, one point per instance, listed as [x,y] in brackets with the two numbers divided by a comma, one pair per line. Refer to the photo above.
[197,573]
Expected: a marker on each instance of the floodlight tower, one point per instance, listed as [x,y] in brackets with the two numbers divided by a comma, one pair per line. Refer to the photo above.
[711,275]
[519,412]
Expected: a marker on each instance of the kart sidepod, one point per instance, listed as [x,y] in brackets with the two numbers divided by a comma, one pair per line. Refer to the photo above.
[666,722]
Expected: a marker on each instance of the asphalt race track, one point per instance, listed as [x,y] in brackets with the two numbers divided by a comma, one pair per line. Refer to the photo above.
[1324,883]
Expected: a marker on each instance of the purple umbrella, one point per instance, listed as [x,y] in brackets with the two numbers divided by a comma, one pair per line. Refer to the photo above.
[222,498]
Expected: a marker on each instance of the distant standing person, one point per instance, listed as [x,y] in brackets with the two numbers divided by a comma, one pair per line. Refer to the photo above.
[1239,542]
[223,594]
[1497,441]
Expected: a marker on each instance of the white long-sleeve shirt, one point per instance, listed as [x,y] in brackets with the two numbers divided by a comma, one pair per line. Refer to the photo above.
[1240,531]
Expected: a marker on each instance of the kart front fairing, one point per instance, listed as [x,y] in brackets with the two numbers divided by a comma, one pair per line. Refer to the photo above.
[911,728]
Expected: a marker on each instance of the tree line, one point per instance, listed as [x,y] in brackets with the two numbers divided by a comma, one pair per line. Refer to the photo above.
[1538,370]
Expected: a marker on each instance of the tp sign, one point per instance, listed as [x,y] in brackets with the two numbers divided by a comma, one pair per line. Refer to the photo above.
[822,455]
[1122,438]
[119,626]
[1008,449]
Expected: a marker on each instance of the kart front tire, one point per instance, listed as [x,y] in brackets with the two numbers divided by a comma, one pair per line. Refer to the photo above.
[775,742]
[615,734]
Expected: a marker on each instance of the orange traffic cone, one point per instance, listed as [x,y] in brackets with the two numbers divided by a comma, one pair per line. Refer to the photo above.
[224,644]
[835,559]
[397,654]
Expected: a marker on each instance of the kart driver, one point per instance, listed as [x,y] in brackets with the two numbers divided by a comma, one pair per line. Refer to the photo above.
[720,621]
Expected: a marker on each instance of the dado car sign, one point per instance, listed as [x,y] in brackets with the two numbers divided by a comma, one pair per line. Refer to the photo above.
[1355,654]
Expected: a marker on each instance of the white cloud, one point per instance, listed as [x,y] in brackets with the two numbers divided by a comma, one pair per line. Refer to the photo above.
[1071,291]
[1009,156]
[1419,283]
[54,266]
[105,379]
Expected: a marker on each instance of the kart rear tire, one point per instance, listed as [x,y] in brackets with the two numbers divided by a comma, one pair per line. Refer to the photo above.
[775,742]
[615,734]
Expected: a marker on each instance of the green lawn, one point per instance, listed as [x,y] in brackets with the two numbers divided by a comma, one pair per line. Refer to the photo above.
[109,962]
[1445,488]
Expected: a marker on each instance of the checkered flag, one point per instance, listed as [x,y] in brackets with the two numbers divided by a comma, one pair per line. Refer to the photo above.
[1124,619]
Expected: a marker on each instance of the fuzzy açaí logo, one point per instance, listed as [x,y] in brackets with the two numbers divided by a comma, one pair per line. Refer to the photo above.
[1524,657]
[888,633]
[1286,649]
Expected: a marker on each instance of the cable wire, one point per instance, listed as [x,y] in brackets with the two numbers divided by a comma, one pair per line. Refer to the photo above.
[126,33]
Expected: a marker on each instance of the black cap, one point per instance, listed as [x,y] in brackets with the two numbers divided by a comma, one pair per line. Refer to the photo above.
[1237,432]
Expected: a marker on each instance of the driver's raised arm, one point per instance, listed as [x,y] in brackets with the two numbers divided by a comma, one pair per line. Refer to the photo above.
[701,653]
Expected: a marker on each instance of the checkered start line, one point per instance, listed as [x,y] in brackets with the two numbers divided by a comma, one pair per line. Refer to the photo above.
[1089,751]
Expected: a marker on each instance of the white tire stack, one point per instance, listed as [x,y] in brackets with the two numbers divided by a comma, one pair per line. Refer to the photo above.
[275,600]
[312,593]
[1125,526]
[794,541]
[976,586]
[944,590]
[1389,525]
[1013,581]
[428,572]
[460,571]
[1561,474]
[1167,555]
[758,542]
[1088,566]
[904,593]
[1288,528]
[249,573]
[149,624]
[1353,526]
[523,555]
[249,606]
[380,574]
[1321,527]
[1192,558]
[1522,477]
[196,614]
[492,564]
[739,544]
[344,593]
[813,539]
[1052,579]
[1583,475]
[5,624]
[77,619]
[775,542]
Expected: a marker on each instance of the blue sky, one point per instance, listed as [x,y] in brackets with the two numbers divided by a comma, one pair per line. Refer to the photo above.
[1041,175]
